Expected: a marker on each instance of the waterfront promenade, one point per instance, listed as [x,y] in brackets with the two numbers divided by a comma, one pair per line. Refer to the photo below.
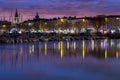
[36,37]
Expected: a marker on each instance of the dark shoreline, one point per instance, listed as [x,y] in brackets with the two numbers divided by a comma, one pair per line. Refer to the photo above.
[36,37]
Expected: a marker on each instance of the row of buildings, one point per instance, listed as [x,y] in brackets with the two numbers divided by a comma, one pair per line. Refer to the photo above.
[65,24]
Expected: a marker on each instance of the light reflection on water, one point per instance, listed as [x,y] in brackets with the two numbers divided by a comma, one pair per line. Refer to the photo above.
[64,52]
[85,48]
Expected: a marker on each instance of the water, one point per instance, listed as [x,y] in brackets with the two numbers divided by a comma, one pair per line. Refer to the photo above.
[64,60]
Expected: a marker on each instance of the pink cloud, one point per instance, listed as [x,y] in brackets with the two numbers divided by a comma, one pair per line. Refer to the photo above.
[57,8]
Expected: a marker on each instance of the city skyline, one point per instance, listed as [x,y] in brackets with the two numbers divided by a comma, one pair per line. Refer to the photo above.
[59,8]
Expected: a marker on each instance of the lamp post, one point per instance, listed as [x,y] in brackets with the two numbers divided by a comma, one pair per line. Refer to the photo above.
[61,22]
[4,27]
[28,26]
[106,22]
[84,23]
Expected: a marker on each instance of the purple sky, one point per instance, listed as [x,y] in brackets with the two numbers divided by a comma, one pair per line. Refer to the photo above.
[58,8]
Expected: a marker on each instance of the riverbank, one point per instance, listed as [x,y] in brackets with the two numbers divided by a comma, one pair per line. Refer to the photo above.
[36,37]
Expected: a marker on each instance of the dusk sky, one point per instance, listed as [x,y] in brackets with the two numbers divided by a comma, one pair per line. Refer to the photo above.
[59,8]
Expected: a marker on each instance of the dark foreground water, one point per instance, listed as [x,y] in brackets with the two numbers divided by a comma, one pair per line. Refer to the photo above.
[72,60]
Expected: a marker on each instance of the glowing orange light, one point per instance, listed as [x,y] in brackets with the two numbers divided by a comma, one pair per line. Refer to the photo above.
[4,26]
[83,49]
[106,19]
[61,49]
[45,49]
[83,20]
[46,23]
[117,55]
[106,54]
[62,20]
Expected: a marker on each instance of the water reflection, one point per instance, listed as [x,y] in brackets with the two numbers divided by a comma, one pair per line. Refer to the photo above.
[83,49]
[61,49]
[45,49]
[93,44]
[31,49]
[20,53]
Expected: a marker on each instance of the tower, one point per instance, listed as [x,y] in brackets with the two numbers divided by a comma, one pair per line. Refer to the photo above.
[16,17]
[37,16]
[37,21]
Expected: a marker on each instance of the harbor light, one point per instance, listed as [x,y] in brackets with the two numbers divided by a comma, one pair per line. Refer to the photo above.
[20,32]
[29,23]
[112,31]
[117,18]
[46,23]
[83,30]
[72,31]
[106,19]
[62,20]
[83,20]
[4,26]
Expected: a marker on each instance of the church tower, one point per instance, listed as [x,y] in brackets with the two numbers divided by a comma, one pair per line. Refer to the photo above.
[16,17]
[37,16]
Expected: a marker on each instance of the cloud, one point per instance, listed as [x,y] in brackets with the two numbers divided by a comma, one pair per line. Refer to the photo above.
[56,8]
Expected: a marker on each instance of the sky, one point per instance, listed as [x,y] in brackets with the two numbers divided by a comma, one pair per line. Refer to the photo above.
[59,8]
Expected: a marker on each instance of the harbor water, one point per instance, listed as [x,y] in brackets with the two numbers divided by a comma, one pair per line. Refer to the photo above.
[61,60]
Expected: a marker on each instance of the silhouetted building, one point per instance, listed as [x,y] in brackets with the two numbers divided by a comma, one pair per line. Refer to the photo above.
[37,18]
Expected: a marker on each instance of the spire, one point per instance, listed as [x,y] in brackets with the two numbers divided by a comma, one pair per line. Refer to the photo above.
[16,17]
[16,13]
[37,16]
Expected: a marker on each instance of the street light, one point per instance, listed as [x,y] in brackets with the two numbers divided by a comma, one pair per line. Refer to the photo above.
[106,19]
[83,20]
[29,23]
[46,23]
[4,26]
[28,26]
[62,20]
